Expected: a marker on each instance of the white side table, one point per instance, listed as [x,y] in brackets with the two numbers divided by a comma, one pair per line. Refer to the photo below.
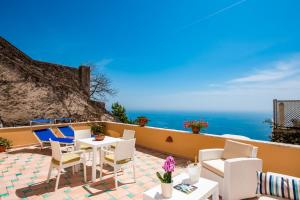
[205,189]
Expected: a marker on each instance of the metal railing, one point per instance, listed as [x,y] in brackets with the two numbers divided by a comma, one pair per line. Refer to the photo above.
[286,113]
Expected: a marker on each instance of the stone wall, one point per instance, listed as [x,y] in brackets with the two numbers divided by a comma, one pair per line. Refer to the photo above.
[32,89]
[85,78]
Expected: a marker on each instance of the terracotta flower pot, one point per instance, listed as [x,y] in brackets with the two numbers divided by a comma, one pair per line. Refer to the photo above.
[142,124]
[99,137]
[196,130]
[2,149]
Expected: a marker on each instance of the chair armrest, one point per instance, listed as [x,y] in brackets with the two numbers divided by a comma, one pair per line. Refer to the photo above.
[78,152]
[251,163]
[210,154]
[240,179]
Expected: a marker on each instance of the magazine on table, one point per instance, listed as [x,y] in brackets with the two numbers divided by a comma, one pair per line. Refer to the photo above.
[185,188]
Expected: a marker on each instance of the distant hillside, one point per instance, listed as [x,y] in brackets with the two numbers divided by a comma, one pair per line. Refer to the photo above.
[32,89]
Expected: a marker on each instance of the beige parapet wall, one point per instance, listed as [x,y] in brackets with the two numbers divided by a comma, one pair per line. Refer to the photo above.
[281,158]
[23,136]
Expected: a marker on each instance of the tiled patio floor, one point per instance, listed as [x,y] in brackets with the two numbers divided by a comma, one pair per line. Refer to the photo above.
[23,173]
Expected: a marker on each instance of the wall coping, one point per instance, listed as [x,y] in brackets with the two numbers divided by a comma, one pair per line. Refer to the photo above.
[150,127]
[213,135]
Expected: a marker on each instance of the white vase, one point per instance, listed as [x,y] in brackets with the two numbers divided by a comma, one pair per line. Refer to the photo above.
[166,190]
[194,172]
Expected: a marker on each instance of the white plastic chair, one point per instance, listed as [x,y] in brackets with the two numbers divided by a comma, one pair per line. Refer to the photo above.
[61,161]
[127,135]
[121,156]
[81,134]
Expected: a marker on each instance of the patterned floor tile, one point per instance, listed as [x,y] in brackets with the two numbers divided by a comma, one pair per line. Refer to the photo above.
[23,174]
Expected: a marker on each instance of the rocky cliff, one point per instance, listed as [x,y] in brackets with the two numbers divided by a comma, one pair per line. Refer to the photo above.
[32,89]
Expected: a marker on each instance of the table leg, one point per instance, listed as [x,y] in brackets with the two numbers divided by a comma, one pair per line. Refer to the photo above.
[94,164]
[77,147]
[100,156]
[215,195]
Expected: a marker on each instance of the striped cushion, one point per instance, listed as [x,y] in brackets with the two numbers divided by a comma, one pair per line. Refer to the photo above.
[276,185]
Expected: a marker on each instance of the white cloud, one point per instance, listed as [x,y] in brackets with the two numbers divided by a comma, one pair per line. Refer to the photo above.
[279,71]
[255,92]
[100,65]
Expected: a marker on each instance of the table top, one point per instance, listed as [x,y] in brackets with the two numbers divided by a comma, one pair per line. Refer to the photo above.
[205,188]
[92,142]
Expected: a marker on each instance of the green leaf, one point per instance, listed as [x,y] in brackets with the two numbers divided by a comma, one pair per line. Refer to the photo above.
[159,176]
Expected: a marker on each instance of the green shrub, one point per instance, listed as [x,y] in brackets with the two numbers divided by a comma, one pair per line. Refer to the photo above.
[119,112]
[289,136]
[5,142]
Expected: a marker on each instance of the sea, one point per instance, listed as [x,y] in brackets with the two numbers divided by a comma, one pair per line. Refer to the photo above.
[249,124]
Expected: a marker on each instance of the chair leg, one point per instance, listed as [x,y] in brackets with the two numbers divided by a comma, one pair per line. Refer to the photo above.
[49,173]
[133,167]
[101,169]
[77,168]
[84,171]
[57,178]
[101,155]
[73,170]
[116,180]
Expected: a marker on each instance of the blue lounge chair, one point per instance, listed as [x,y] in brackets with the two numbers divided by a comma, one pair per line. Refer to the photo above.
[41,121]
[66,131]
[68,120]
[45,135]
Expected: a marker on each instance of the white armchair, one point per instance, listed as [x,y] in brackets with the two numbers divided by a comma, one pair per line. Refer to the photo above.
[233,167]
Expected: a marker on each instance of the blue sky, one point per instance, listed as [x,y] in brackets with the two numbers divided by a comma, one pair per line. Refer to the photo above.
[221,55]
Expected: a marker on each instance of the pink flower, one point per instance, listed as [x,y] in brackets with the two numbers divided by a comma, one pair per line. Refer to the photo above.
[169,164]
[194,123]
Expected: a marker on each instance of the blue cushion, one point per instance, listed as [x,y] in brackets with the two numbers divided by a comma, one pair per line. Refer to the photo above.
[277,185]
[66,131]
[45,134]
[63,140]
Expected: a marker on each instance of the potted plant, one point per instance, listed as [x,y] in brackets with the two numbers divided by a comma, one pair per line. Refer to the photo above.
[195,125]
[142,120]
[98,130]
[166,179]
[4,144]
